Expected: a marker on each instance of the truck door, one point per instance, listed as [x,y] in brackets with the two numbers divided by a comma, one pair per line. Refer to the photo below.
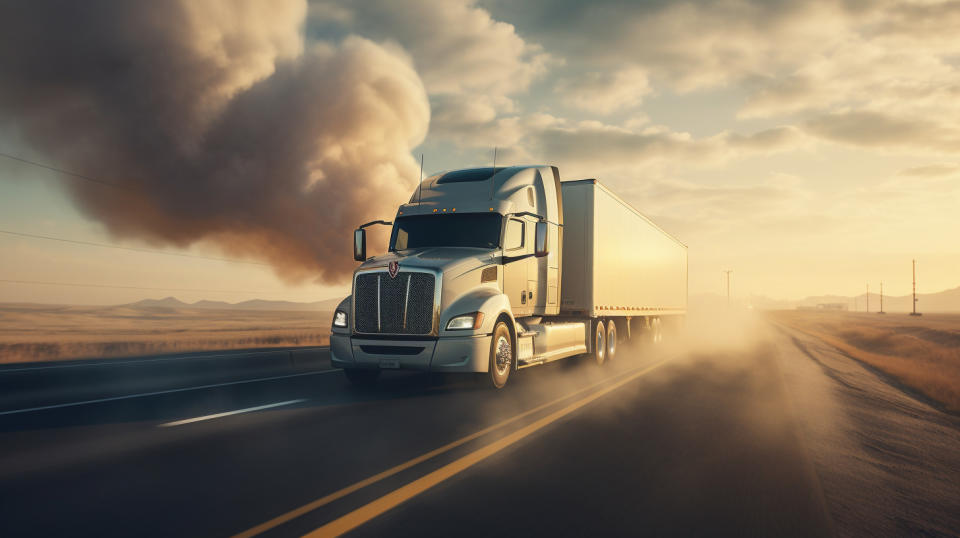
[515,260]
[534,297]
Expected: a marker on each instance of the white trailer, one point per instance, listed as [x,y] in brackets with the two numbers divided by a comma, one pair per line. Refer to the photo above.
[616,261]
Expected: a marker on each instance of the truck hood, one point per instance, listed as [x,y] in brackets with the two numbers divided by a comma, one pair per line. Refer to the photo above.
[452,261]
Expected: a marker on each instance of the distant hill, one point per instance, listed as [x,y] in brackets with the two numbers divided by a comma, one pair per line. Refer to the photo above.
[941,301]
[167,302]
[254,304]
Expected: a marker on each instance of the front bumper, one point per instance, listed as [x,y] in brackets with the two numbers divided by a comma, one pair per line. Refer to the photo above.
[459,354]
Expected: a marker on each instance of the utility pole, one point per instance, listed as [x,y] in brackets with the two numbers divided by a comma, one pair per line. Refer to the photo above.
[868,297]
[728,285]
[915,313]
[881,299]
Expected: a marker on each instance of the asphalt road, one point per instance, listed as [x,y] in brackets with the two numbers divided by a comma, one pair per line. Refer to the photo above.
[766,435]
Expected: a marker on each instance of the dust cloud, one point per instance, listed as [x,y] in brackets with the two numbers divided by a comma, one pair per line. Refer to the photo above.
[717,347]
[218,121]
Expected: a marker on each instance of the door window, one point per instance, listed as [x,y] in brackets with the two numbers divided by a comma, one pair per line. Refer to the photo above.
[513,237]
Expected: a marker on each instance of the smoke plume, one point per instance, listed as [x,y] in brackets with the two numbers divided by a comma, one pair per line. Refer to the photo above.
[219,122]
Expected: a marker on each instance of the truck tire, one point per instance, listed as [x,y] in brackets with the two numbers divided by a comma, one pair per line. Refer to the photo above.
[501,355]
[361,378]
[599,343]
[657,330]
[611,340]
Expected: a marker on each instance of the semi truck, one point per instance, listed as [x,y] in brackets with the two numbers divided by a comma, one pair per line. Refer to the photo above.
[492,270]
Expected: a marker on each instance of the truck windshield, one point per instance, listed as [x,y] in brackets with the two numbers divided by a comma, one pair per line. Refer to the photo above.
[478,230]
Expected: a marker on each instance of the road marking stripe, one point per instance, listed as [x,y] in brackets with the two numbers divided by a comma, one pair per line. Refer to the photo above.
[159,392]
[112,362]
[391,500]
[228,413]
[322,501]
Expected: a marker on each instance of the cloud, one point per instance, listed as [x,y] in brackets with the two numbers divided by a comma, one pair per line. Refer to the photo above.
[217,122]
[605,92]
[875,129]
[709,206]
[687,45]
[810,58]
[456,47]
[594,146]
[931,170]
[588,148]
[472,65]
[866,74]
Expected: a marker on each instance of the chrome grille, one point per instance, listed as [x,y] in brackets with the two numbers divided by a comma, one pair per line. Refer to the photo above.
[400,305]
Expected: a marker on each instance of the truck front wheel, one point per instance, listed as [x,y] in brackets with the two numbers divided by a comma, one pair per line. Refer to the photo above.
[501,355]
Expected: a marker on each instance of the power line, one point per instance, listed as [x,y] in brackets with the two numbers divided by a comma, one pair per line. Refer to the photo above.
[103,245]
[135,249]
[62,171]
[89,243]
[83,285]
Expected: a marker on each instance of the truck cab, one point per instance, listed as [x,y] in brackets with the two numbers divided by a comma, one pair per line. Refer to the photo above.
[470,249]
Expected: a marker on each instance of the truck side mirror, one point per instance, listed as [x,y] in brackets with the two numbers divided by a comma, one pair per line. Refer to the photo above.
[541,247]
[360,245]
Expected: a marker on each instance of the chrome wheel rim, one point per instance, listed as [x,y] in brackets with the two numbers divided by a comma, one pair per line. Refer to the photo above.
[612,343]
[504,355]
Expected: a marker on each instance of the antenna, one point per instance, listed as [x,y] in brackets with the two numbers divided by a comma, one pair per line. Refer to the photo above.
[494,171]
[420,185]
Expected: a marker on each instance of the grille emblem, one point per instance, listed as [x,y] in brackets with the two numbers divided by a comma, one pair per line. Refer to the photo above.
[393,268]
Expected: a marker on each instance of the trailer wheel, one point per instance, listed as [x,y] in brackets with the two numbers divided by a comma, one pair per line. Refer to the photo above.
[611,340]
[657,330]
[599,343]
[501,355]
[360,377]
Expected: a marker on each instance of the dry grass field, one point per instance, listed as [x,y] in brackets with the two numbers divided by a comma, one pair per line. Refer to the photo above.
[46,333]
[923,353]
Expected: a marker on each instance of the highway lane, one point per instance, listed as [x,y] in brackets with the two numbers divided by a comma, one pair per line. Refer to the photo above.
[713,441]
[25,386]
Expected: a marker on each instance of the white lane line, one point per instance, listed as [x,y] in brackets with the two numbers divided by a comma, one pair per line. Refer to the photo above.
[111,362]
[159,392]
[228,413]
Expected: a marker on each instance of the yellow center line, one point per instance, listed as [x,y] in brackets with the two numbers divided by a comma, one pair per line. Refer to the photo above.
[311,506]
[391,500]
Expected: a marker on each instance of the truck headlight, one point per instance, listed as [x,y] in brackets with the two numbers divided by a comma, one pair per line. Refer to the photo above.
[340,319]
[467,321]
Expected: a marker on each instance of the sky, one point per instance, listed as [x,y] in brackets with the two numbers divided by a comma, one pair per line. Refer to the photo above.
[811,147]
